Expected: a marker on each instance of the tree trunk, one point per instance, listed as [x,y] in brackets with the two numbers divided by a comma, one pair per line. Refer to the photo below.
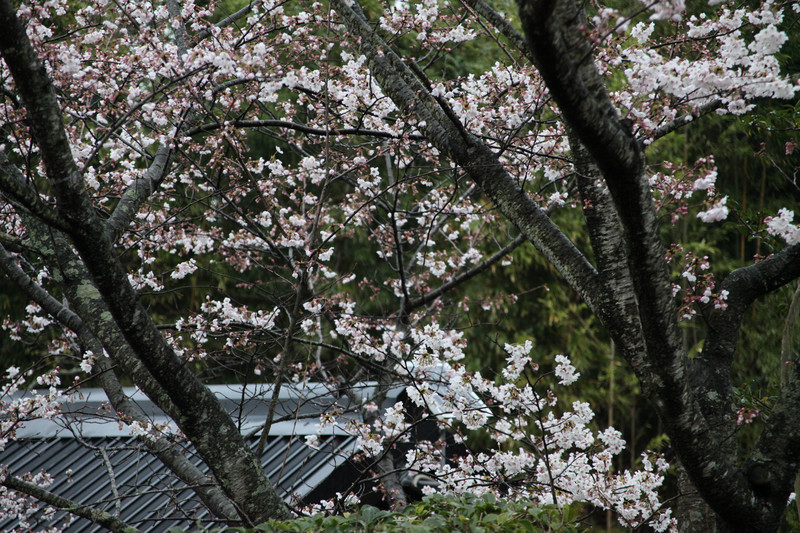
[100,288]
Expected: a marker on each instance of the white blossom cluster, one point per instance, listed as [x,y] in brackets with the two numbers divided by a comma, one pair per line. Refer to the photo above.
[733,68]
[427,20]
[552,453]
[38,405]
[347,169]
[782,226]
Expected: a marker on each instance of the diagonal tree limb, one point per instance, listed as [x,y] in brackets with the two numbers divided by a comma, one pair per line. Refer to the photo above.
[137,193]
[611,251]
[202,419]
[212,126]
[501,24]
[563,57]
[478,160]
[97,516]
[464,276]
[603,225]
[88,303]
[11,243]
[20,193]
[227,21]
[683,120]
[39,99]
[166,451]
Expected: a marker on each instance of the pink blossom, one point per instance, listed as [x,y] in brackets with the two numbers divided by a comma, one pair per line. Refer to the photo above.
[781,226]
[745,415]
[716,213]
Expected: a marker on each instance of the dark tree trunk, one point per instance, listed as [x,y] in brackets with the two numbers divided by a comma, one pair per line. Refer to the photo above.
[629,289]
[101,292]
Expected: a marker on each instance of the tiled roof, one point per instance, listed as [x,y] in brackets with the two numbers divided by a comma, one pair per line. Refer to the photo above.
[149,497]
[93,459]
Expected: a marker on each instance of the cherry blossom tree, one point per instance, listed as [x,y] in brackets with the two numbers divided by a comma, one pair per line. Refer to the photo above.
[296,192]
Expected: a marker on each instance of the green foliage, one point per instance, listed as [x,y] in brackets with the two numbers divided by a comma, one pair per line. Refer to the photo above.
[436,513]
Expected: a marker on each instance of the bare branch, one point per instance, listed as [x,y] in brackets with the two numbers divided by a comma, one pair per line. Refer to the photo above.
[20,193]
[301,128]
[480,163]
[683,120]
[227,21]
[465,276]
[138,192]
[501,24]
[165,450]
[170,454]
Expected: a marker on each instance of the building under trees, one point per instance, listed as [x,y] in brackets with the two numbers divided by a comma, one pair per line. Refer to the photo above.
[487,207]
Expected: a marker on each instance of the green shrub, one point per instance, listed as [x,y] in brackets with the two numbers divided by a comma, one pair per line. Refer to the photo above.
[438,514]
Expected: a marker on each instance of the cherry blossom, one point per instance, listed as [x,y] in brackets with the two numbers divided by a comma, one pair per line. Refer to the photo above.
[715,213]
[309,229]
[782,226]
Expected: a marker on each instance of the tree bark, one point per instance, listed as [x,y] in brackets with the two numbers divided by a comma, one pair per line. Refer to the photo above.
[102,518]
[198,413]
[693,399]
[630,291]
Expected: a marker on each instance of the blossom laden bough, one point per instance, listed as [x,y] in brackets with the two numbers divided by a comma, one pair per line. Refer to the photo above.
[288,199]
[560,456]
